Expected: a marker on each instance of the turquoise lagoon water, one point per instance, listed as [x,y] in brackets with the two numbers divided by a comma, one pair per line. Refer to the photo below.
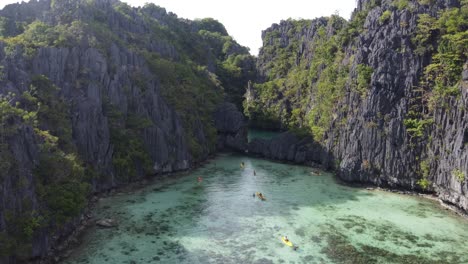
[262,134]
[177,220]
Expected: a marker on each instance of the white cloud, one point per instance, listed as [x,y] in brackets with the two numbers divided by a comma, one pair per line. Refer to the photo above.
[245,19]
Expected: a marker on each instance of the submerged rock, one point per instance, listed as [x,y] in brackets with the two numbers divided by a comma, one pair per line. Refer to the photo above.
[107,223]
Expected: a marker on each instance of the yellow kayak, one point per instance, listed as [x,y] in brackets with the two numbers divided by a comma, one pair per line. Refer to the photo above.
[288,243]
[260,196]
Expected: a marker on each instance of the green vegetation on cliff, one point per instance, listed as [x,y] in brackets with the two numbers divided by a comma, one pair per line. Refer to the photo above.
[305,81]
[445,38]
[59,174]
[291,83]
[387,81]
[204,56]
[449,33]
[130,151]
[180,67]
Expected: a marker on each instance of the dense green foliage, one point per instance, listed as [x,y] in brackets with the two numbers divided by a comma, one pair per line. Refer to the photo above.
[234,73]
[446,38]
[211,25]
[234,65]
[449,33]
[60,171]
[193,64]
[424,182]
[211,65]
[21,225]
[355,26]
[301,92]
[364,74]
[59,175]
[459,175]
[205,65]
[401,4]
[38,34]
[305,92]
[194,96]
[129,149]
[385,16]
[291,85]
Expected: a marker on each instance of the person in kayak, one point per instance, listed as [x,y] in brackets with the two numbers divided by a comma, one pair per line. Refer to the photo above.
[286,238]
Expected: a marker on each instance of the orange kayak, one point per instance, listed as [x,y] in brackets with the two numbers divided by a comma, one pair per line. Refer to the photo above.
[260,196]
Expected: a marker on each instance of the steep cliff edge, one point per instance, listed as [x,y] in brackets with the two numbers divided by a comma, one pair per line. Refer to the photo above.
[231,126]
[96,94]
[384,93]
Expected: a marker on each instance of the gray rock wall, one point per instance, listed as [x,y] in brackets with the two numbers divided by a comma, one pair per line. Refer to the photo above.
[385,154]
[449,148]
[289,147]
[381,154]
[91,78]
[367,140]
[231,126]
[67,68]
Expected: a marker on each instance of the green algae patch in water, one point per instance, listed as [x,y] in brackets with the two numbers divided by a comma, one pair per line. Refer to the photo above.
[179,220]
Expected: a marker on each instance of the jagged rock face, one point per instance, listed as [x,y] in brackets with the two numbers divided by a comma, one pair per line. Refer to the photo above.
[281,32]
[24,149]
[366,139]
[288,147]
[67,66]
[119,74]
[385,148]
[450,146]
[231,126]
[165,140]
[385,154]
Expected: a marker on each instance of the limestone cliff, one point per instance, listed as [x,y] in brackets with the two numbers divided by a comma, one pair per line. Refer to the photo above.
[96,94]
[383,94]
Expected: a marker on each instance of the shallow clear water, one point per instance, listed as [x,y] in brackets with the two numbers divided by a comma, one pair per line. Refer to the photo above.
[262,134]
[177,220]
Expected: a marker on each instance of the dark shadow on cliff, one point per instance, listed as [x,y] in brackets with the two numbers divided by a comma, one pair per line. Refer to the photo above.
[292,148]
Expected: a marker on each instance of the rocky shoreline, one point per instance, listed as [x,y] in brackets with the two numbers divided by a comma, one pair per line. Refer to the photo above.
[86,220]
[382,133]
[291,148]
[430,196]
[317,165]
[287,148]
[232,135]
[119,111]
